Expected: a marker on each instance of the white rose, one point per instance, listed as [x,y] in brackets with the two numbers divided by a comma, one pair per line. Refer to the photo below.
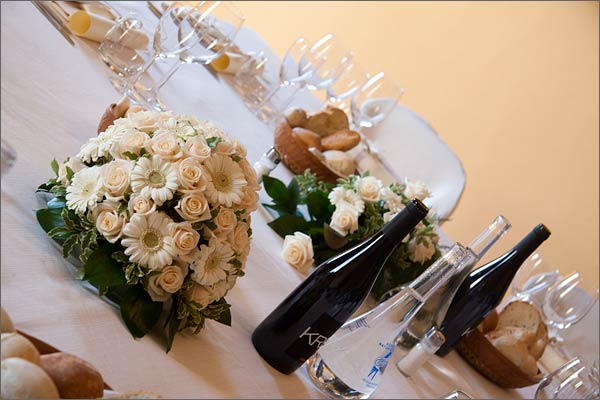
[416,190]
[219,290]
[239,149]
[249,201]
[391,200]
[193,207]
[74,164]
[140,204]
[298,251]
[146,121]
[249,174]
[225,147]
[239,238]
[200,294]
[226,221]
[344,220]
[191,174]
[115,177]
[108,220]
[368,188]
[197,147]
[162,286]
[165,145]
[341,197]
[185,238]
[420,252]
[132,141]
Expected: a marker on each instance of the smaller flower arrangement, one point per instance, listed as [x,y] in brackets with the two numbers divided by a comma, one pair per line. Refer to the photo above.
[319,220]
[157,209]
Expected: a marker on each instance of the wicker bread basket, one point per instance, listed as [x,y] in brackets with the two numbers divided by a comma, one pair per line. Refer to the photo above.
[477,350]
[296,156]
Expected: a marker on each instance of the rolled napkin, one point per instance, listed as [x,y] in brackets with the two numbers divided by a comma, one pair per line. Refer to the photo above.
[229,62]
[95,27]
[113,112]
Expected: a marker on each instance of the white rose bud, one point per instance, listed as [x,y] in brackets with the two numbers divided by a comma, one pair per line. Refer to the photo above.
[420,252]
[226,221]
[368,188]
[146,121]
[249,174]
[191,174]
[249,201]
[132,141]
[115,177]
[239,149]
[165,145]
[200,294]
[193,207]
[74,164]
[239,239]
[140,204]
[197,147]
[298,251]
[416,190]
[225,147]
[185,238]
[162,286]
[344,220]
[108,220]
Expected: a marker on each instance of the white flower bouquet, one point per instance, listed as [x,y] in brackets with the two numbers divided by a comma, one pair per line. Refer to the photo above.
[318,220]
[157,209]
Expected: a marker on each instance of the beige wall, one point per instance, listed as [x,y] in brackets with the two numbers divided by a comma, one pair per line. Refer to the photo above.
[511,87]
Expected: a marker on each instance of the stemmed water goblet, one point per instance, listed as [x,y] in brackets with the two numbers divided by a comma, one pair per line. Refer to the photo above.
[337,58]
[340,91]
[180,29]
[298,65]
[573,380]
[374,100]
[533,279]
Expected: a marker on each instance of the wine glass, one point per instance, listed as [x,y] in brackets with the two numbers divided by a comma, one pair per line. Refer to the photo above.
[574,380]
[533,279]
[375,100]
[120,50]
[567,301]
[337,58]
[218,26]
[297,66]
[340,91]
[177,31]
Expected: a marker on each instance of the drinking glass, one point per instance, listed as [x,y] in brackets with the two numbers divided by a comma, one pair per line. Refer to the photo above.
[337,58]
[566,302]
[120,56]
[574,380]
[374,101]
[219,25]
[533,279]
[179,29]
[340,91]
[297,66]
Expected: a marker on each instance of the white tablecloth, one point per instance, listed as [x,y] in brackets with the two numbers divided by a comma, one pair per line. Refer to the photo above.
[52,97]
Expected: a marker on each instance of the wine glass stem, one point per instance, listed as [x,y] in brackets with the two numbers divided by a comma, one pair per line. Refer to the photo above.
[144,89]
[276,101]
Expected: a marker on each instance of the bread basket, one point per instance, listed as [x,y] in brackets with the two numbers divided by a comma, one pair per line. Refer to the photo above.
[477,350]
[297,157]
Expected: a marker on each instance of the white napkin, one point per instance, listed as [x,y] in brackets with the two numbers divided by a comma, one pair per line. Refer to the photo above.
[95,27]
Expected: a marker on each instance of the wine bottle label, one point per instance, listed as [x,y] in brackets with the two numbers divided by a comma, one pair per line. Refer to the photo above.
[313,337]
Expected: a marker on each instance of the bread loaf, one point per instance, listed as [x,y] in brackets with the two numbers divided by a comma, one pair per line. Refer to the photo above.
[328,122]
[15,345]
[520,314]
[296,117]
[340,162]
[310,138]
[5,322]
[22,379]
[74,378]
[516,351]
[342,140]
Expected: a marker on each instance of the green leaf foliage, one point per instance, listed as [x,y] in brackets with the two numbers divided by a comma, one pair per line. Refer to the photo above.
[138,311]
[319,206]
[288,224]
[277,190]
[103,271]
[50,218]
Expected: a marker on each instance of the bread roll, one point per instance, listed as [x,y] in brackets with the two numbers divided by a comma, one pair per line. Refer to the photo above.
[296,117]
[489,323]
[310,138]
[15,345]
[328,122]
[342,140]
[340,162]
[75,378]
[523,315]
[22,379]
[516,351]
[5,322]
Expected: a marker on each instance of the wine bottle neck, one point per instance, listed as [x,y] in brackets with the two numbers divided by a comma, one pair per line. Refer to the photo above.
[405,221]
[530,243]
[486,239]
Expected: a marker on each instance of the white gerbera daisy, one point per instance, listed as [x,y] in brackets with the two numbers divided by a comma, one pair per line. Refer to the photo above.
[213,264]
[147,240]
[154,178]
[340,197]
[226,180]
[85,190]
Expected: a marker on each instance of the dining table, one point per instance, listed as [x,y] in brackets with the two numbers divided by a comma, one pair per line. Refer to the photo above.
[53,95]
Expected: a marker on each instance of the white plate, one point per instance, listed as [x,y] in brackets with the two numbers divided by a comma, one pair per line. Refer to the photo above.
[412,149]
